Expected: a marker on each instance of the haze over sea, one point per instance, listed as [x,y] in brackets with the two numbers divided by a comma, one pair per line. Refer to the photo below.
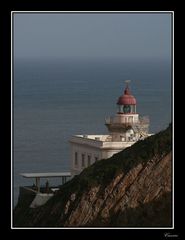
[57,98]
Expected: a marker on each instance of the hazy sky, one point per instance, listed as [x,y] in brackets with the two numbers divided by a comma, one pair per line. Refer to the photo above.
[133,36]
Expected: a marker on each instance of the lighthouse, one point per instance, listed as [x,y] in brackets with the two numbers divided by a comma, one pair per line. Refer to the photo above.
[124,129]
[127,125]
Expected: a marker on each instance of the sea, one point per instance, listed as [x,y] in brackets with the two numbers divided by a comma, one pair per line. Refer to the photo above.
[54,99]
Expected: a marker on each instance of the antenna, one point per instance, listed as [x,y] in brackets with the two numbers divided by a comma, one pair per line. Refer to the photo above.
[127,82]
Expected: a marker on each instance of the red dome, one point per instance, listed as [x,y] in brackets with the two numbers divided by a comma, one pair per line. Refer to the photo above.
[127,98]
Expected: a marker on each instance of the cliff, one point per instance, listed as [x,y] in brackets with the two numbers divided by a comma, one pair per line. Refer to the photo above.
[132,188]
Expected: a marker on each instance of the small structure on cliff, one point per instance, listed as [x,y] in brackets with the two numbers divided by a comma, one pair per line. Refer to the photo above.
[40,195]
[125,128]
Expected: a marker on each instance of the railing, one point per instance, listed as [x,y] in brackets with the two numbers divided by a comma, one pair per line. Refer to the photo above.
[109,120]
[142,120]
[43,189]
[118,121]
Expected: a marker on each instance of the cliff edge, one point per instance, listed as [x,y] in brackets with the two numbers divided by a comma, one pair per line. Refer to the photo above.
[130,189]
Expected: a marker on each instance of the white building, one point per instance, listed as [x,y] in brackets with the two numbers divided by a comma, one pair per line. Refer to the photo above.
[125,128]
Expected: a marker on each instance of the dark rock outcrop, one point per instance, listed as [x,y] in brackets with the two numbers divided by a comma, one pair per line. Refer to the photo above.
[132,188]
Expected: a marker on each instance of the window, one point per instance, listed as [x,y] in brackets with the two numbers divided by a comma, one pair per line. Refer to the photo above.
[89,160]
[76,159]
[83,160]
[127,108]
[96,159]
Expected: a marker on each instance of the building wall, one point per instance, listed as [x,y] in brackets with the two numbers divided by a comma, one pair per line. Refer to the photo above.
[77,165]
[109,153]
[85,152]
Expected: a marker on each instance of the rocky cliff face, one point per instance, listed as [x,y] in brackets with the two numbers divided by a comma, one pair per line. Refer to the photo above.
[133,188]
[141,185]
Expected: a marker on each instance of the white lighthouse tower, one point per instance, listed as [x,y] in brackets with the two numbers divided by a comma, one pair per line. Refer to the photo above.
[125,128]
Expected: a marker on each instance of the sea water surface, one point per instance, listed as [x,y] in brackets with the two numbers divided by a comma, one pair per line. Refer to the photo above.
[54,99]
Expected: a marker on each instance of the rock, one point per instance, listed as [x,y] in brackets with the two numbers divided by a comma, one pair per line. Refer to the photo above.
[112,191]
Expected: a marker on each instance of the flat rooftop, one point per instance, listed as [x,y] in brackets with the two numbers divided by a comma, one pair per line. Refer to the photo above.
[102,137]
[46,175]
